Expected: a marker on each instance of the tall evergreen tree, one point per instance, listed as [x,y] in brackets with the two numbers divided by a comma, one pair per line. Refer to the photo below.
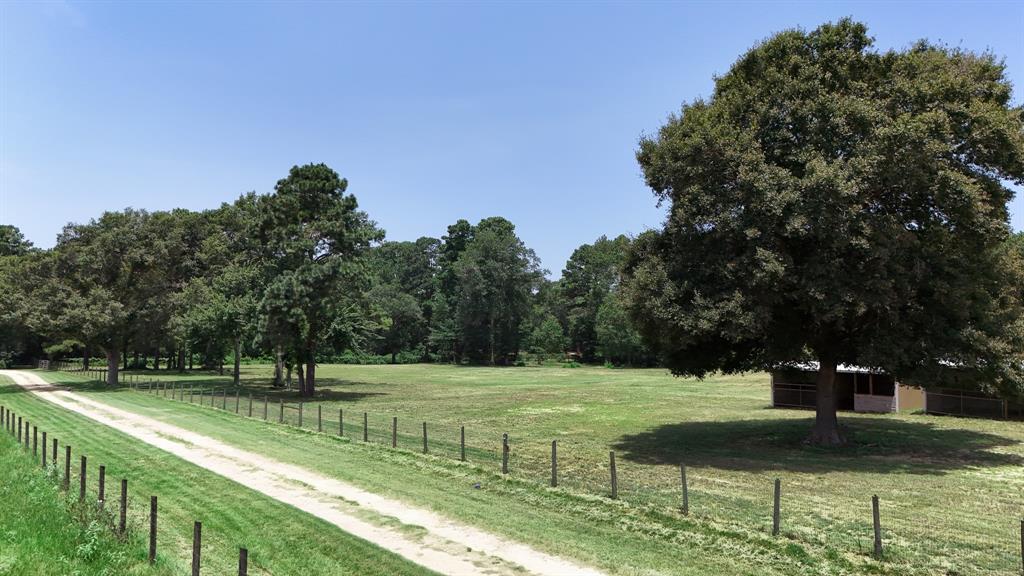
[314,240]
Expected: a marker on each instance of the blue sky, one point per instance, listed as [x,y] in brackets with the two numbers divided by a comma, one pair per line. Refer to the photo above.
[433,111]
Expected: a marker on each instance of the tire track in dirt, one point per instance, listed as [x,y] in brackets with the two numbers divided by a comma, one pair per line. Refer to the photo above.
[448,547]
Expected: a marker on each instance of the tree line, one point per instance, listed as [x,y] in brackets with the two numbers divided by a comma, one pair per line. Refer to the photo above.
[827,203]
[301,276]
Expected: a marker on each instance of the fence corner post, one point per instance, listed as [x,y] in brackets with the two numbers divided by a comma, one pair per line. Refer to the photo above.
[776,506]
[152,529]
[504,453]
[878,526]
[197,546]
[554,463]
[686,488]
[614,474]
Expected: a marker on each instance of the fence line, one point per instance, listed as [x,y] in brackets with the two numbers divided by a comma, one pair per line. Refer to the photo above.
[861,532]
[121,529]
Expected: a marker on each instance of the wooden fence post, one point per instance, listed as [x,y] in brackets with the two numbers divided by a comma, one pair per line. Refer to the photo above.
[243,562]
[35,441]
[44,448]
[102,493]
[54,452]
[366,433]
[280,416]
[776,506]
[554,463]
[123,520]
[686,488]
[152,529]
[19,429]
[341,422]
[504,453]
[250,404]
[190,394]
[265,401]
[238,399]
[301,405]
[462,443]
[67,467]
[197,546]
[81,482]
[878,526]
[224,401]
[319,418]
[394,431]
[615,476]
[424,437]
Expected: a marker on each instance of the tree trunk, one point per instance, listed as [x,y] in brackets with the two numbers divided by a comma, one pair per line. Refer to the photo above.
[826,425]
[113,363]
[190,356]
[302,378]
[85,357]
[310,378]
[393,356]
[156,359]
[490,340]
[279,367]
[238,358]
[124,354]
[181,359]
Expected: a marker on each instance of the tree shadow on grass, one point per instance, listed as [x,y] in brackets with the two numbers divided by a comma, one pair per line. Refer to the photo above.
[879,445]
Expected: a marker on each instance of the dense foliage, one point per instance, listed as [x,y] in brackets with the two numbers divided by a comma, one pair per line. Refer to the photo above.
[297,276]
[833,203]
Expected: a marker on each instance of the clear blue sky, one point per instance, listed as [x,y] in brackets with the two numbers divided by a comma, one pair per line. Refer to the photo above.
[433,111]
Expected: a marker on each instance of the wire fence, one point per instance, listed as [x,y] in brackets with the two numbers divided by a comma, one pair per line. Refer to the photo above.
[93,497]
[959,534]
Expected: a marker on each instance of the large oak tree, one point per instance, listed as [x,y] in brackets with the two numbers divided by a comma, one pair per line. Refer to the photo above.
[834,203]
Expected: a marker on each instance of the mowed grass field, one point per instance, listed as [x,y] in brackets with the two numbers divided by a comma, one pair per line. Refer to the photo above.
[950,488]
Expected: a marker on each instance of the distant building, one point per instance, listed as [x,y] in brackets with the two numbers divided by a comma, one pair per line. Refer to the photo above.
[863,390]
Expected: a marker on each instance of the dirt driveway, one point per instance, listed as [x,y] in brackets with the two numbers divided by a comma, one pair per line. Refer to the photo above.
[447,546]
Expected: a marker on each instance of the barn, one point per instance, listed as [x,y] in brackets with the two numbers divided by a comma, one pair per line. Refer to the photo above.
[864,390]
[858,389]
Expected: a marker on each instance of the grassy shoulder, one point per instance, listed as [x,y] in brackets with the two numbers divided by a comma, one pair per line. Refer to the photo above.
[43,532]
[616,536]
[280,539]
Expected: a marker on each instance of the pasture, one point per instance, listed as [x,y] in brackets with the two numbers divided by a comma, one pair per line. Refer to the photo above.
[949,488]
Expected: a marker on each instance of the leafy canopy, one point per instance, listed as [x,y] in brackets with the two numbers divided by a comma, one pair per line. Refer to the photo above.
[834,202]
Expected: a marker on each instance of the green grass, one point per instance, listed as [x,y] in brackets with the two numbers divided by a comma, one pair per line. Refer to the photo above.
[44,533]
[280,539]
[950,488]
